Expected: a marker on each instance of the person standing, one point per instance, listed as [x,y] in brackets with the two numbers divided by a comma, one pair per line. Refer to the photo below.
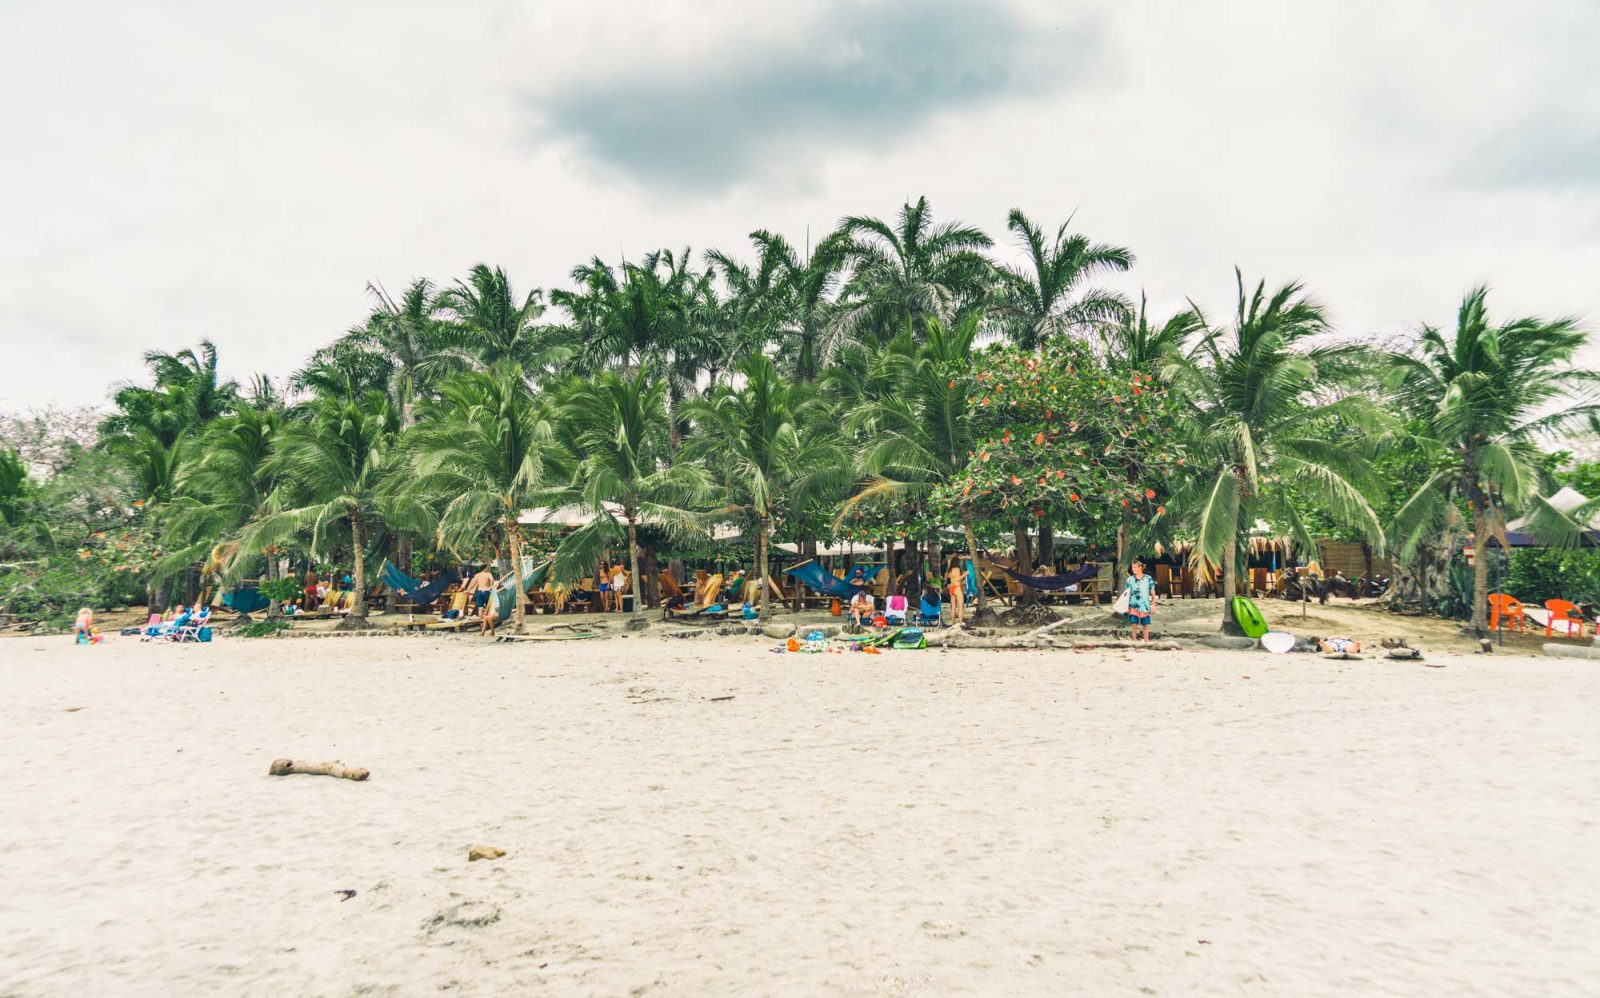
[603,580]
[480,588]
[619,583]
[957,579]
[1141,590]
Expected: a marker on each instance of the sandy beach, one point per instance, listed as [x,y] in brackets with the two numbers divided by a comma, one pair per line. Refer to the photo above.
[916,823]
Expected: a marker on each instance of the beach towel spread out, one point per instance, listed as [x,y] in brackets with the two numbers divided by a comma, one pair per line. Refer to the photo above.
[1051,582]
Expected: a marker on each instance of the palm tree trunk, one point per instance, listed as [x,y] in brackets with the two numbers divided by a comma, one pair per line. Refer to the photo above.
[1481,533]
[1229,556]
[518,598]
[765,597]
[358,537]
[972,555]
[1047,545]
[637,622]
[272,576]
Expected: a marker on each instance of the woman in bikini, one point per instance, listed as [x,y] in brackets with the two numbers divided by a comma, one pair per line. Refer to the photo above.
[957,584]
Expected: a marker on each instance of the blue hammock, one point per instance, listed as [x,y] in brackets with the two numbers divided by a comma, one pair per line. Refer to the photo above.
[422,594]
[245,598]
[1051,582]
[825,582]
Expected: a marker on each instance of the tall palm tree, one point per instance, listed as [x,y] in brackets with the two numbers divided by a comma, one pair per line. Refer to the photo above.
[418,345]
[1263,400]
[1486,395]
[488,449]
[229,485]
[772,445]
[913,413]
[499,326]
[615,426]
[1045,298]
[909,272]
[331,466]
[792,298]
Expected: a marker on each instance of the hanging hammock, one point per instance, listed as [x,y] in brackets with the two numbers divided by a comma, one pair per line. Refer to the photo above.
[1051,582]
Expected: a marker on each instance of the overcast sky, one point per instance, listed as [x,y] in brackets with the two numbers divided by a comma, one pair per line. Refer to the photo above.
[239,172]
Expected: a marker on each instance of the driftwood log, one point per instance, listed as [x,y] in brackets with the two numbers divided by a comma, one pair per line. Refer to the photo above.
[288,767]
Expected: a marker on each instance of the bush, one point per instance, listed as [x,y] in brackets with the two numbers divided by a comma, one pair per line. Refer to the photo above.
[264,628]
[50,593]
[1537,574]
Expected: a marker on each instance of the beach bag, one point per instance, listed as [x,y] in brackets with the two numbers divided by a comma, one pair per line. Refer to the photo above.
[748,612]
[204,634]
[1123,602]
[910,638]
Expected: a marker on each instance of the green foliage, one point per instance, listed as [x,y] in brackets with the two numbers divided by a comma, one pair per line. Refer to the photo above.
[269,628]
[51,593]
[1534,575]
[283,590]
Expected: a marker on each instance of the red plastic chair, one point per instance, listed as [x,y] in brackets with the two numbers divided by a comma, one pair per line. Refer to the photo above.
[1561,609]
[1508,606]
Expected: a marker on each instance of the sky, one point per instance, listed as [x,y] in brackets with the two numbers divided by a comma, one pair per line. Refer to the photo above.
[179,171]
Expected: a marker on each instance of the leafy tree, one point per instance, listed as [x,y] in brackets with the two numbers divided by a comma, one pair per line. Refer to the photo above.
[497,325]
[331,467]
[615,426]
[907,273]
[772,447]
[487,448]
[1260,397]
[912,413]
[1485,395]
[1045,298]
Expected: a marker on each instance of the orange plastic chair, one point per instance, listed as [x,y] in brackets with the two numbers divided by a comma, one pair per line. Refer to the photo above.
[1561,609]
[1508,606]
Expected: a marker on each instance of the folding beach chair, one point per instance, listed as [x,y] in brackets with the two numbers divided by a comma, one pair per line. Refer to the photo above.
[895,609]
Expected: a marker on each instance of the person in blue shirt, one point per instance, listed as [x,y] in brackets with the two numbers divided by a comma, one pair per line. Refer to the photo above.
[1141,590]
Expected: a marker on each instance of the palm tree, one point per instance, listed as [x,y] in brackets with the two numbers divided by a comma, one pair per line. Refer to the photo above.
[331,466]
[188,392]
[912,411]
[773,447]
[231,484]
[1486,396]
[418,345]
[1263,403]
[1045,298]
[910,272]
[791,299]
[615,426]
[500,327]
[487,449]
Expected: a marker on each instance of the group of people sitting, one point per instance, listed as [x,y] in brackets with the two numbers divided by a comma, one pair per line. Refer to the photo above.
[184,622]
[863,608]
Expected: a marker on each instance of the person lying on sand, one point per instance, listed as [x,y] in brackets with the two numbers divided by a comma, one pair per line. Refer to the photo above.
[1339,645]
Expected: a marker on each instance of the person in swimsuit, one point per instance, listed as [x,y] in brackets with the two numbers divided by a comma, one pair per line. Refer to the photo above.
[619,584]
[481,588]
[602,579]
[956,579]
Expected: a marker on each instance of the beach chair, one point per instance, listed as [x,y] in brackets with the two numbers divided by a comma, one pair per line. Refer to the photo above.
[705,596]
[1509,607]
[668,586]
[895,608]
[190,629]
[929,614]
[1259,584]
[458,604]
[1563,612]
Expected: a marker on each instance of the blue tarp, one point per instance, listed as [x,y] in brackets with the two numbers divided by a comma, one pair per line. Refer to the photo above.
[245,598]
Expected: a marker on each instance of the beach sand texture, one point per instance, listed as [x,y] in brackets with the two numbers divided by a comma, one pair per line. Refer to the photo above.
[961,822]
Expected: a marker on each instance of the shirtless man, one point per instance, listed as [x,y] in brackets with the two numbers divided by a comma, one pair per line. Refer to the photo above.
[480,588]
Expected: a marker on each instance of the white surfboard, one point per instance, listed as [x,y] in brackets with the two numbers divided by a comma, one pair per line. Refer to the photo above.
[1277,642]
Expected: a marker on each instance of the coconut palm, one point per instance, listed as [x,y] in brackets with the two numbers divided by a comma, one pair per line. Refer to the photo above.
[1046,297]
[773,447]
[188,392]
[615,427]
[420,348]
[1263,401]
[499,327]
[488,450]
[1487,395]
[911,410]
[792,298]
[331,465]
[909,272]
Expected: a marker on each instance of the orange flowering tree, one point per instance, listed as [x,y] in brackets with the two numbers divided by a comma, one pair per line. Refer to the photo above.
[1063,436]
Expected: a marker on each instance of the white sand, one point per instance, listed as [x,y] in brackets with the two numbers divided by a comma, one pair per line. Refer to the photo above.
[917,823]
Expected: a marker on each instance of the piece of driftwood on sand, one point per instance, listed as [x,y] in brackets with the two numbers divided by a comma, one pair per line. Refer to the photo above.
[290,767]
